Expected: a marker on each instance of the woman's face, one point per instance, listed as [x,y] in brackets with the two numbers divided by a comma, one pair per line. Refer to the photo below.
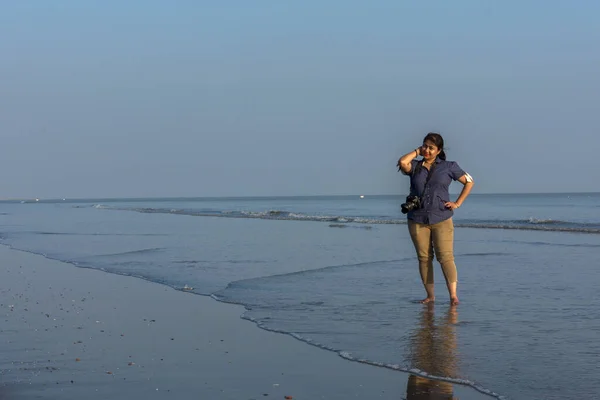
[429,150]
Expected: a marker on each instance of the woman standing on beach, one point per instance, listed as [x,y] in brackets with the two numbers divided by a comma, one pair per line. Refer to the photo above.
[429,210]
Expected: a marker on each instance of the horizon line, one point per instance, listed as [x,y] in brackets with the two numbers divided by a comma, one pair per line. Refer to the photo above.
[266,196]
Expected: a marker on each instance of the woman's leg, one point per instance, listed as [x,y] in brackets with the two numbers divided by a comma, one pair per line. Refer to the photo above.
[421,238]
[443,243]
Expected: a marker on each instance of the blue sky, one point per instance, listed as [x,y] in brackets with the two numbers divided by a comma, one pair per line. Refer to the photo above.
[236,98]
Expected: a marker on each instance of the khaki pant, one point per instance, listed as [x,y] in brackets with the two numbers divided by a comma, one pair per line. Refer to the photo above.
[439,238]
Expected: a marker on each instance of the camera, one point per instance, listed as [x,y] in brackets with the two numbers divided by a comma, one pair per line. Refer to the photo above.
[412,203]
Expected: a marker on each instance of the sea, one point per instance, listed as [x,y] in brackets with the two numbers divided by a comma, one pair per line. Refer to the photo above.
[340,273]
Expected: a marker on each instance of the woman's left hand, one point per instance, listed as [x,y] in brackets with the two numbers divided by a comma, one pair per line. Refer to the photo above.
[451,205]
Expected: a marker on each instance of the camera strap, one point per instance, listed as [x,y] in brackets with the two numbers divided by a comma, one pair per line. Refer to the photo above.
[429,175]
[430,172]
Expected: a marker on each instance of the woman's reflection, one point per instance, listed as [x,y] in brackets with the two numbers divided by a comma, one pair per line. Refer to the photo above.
[433,350]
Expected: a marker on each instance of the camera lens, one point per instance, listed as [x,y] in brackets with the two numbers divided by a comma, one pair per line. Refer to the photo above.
[412,202]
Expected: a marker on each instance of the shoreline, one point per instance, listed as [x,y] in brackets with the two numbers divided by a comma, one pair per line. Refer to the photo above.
[69,332]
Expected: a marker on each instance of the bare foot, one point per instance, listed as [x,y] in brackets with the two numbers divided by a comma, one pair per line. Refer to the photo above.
[428,300]
[454,301]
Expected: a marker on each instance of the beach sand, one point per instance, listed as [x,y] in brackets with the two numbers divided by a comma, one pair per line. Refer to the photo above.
[74,333]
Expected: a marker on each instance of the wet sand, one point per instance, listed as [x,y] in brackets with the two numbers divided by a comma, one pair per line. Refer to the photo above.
[73,333]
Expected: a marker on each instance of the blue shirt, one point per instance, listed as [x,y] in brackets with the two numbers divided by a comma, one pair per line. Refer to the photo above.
[436,194]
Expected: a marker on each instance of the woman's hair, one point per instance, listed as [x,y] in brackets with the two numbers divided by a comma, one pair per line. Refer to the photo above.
[438,140]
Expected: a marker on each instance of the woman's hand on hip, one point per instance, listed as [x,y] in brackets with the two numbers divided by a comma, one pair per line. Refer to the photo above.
[451,205]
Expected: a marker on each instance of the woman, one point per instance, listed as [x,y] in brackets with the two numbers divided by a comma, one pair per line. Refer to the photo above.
[430,219]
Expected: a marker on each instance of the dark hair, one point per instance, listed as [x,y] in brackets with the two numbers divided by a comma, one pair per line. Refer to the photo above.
[438,140]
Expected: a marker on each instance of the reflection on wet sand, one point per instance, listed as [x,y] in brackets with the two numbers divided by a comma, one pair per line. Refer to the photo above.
[433,350]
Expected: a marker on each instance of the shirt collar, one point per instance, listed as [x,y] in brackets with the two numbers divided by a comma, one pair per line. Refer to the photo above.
[437,160]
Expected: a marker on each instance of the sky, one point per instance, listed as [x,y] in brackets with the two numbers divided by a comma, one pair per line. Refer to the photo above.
[259,98]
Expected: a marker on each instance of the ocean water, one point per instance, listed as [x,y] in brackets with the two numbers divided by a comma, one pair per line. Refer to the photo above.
[340,273]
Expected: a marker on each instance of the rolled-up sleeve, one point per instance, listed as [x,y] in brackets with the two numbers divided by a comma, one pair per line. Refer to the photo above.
[456,172]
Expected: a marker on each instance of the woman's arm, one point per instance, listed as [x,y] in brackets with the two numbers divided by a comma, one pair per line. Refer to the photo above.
[467,181]
[405,160]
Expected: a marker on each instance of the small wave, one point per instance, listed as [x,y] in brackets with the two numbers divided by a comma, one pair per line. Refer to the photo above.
[545,221]
[219,262]
[276,212]
[132,252]
[241,282]
[89,206]
[415,371]
[539,243]
[312,303]
[338,225]
[572,229]
[89,234]
[531,224]
[367,227]
[269,214]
